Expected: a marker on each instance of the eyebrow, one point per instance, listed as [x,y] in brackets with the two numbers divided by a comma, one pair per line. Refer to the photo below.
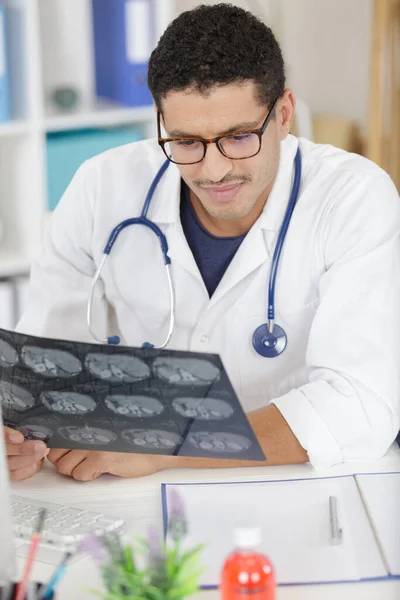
[239,127]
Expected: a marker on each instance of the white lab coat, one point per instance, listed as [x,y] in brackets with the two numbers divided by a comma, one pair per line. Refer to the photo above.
[337,294]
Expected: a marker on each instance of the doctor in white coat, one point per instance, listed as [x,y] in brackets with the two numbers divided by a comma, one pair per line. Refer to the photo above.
[329,392]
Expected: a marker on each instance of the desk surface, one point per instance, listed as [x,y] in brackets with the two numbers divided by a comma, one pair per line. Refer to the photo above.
[138,501]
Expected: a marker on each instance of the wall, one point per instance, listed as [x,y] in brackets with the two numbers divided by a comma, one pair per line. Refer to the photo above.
[326,44]
[270,10]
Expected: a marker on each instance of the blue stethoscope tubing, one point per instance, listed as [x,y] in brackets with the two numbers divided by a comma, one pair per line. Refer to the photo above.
[269,339]
[145,222]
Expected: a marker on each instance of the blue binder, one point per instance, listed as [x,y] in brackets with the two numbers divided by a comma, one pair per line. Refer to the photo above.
[67,150]
[123,34]
[4,80]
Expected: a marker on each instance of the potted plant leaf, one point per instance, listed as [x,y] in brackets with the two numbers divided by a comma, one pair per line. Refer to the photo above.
[150,569]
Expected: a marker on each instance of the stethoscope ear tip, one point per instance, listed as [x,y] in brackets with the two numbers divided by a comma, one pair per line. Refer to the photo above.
[113,340]
[147,345]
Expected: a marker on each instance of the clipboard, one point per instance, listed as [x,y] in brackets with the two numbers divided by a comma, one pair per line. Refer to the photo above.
[294,517]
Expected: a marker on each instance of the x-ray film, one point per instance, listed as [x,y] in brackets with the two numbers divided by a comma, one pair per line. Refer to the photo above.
[120,399]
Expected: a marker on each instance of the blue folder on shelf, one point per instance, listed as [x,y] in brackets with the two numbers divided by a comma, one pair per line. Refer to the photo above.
[123,40]
[4,76]
[66,151]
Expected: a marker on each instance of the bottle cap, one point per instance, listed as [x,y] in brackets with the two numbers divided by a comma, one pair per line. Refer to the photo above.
[247,537]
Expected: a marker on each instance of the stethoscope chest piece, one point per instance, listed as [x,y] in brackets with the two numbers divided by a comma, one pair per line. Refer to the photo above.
[269,344]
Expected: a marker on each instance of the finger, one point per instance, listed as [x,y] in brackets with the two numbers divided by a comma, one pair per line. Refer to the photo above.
[29,448]
[26,472]
[12,436]
[67,463]
[91,468]
[20,462]
[56,453]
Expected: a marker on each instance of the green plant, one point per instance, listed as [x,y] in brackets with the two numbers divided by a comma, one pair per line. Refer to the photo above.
[170,571]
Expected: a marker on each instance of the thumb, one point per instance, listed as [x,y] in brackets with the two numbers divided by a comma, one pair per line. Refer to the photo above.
[12,436]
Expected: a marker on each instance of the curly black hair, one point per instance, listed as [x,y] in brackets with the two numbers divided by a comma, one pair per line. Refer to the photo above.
[216,45]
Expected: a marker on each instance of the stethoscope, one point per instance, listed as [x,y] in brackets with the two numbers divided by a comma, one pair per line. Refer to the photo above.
[269,339]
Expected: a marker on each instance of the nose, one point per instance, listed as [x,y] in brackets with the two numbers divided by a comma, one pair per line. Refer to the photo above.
[215,166]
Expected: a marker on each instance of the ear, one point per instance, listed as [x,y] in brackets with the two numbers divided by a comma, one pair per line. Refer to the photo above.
[286,113]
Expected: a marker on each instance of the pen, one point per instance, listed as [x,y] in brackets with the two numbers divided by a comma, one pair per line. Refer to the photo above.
[336,530]
[57,575]
[21,588]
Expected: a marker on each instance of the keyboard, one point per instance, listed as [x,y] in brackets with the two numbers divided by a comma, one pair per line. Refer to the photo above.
[64,526]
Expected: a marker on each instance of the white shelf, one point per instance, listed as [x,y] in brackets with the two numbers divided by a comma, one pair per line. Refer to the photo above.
[11,266]
[51,48]
[101,114]
[13,128]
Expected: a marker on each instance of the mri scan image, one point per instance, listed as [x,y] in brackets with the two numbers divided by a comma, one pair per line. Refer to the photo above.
[220,442]
[50,362]
[8,354]
[68,403]
[152,438]
[206,409]
[32,431]
[87,435]
[14,397]
[134,406]
[114,367]
[185,371]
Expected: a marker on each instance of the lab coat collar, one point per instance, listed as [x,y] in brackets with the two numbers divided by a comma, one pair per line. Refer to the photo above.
[164,207]
[274,210]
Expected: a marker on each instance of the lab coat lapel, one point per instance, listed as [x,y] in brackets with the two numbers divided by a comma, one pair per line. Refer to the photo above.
[165,212]
[258,246]
[180,252]
[253,253]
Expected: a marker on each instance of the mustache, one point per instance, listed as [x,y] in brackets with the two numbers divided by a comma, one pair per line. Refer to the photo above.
[222,182]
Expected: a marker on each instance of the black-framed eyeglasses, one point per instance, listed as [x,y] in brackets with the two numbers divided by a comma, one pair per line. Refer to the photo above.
[235,146]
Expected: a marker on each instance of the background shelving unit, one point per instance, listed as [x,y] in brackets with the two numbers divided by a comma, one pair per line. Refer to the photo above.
[50,45]
[100,114]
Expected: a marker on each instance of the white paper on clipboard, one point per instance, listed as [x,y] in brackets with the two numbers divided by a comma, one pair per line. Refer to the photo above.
[295,522]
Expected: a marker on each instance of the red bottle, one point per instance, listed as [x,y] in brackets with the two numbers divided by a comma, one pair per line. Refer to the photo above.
[246,573]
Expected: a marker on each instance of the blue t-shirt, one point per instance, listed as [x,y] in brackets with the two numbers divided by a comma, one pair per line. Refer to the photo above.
[212,254]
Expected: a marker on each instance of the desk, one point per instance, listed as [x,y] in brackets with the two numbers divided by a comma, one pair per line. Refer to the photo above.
[138,501]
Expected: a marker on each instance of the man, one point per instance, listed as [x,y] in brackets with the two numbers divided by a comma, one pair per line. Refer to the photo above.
[217,78]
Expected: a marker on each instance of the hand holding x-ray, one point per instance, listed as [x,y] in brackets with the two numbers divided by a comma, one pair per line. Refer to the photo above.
[24,457]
